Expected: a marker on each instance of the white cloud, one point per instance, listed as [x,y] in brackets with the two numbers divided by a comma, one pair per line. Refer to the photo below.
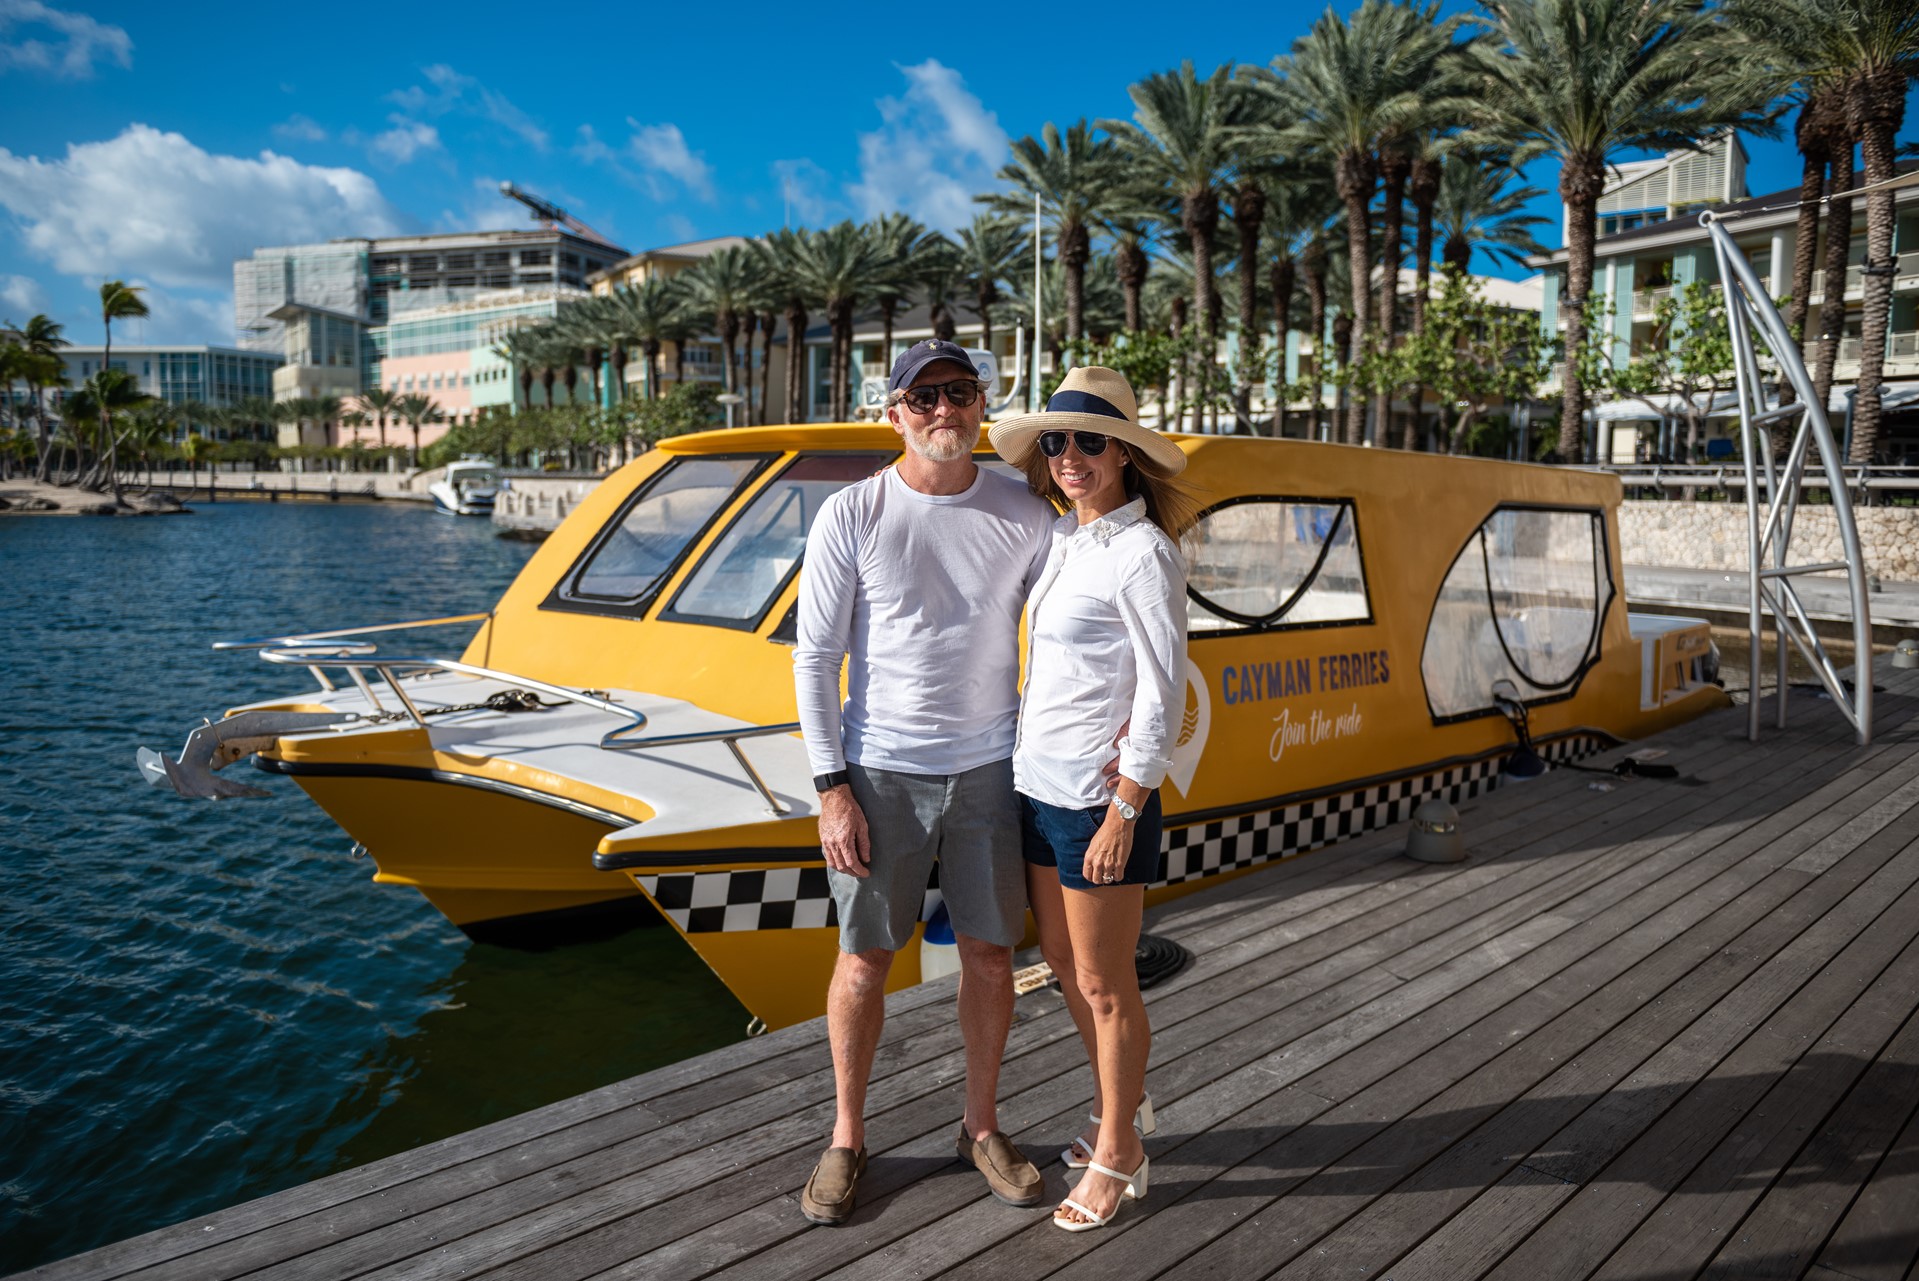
[803,195]
[405,140]
[153,205]
[453,92]
[663,149]
[485,209]
[299,128]
[79,41]
[936,146]
[22,297]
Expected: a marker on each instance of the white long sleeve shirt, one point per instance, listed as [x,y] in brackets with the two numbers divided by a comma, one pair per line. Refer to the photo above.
[921,595]
[1106,643]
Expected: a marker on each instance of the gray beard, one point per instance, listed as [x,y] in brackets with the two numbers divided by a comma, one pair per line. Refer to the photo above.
[934,453]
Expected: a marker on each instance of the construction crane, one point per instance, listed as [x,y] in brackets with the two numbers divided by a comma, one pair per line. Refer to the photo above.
[552,215]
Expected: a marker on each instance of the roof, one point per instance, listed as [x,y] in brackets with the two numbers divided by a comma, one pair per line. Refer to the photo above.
[690,250]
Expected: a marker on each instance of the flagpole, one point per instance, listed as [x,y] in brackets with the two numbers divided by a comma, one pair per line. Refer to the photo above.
[1038,281]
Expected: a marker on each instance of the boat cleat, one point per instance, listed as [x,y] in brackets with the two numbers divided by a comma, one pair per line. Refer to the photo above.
[214,745]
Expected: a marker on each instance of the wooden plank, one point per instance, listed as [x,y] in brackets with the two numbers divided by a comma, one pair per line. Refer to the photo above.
[1235,1252]
[1878,1240]
[1584,1114]
[1715,1150]
[915,1262]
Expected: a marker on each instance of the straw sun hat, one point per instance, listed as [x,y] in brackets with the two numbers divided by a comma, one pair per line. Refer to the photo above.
[1090,398]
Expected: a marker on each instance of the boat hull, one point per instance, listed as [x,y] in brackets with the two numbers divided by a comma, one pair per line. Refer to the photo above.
[503,864]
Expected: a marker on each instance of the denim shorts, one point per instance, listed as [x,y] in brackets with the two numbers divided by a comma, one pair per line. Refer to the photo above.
[1053,836]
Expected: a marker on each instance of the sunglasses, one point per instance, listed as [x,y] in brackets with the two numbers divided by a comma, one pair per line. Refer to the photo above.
[960,393]
[1090,443]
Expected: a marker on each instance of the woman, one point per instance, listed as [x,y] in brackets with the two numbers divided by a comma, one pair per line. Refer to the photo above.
[1106,662]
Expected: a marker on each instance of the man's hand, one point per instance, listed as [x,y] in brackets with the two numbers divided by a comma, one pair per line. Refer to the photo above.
[843,837]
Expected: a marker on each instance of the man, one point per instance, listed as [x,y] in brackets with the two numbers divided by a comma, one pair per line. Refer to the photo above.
[916,578]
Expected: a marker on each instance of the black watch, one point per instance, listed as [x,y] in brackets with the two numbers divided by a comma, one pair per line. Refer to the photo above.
[827,782]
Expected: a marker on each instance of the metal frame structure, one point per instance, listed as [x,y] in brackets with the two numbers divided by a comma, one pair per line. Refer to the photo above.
[1773,491]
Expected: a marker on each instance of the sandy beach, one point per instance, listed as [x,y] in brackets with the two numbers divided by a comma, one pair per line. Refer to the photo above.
[28,497]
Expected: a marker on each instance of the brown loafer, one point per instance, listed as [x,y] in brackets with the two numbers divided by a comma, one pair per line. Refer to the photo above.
[1010,1175]
[828,1197]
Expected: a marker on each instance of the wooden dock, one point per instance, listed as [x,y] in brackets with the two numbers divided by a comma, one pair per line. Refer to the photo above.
[1660,1031]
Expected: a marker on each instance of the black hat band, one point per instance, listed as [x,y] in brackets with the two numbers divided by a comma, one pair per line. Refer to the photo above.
[1083,402]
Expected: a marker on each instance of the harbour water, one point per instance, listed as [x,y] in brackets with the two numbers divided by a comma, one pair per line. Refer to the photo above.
[203,1002]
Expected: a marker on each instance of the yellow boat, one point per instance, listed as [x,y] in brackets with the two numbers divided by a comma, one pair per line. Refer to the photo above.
[1369,629]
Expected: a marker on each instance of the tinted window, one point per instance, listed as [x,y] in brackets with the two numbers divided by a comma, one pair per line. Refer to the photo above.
[635,554]
[753,560]
[1523,604]
[1268,563]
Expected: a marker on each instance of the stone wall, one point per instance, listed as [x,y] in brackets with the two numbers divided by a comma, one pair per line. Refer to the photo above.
[537,504]
[1713,536]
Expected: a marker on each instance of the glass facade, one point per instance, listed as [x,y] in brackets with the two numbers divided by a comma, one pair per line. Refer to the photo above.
[217,376]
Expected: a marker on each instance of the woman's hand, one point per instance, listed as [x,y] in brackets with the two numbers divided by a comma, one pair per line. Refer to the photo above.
[1107,853]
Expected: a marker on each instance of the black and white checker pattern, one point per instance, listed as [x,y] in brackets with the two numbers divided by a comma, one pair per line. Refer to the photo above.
[1247,840]
[780,898]
[785,898]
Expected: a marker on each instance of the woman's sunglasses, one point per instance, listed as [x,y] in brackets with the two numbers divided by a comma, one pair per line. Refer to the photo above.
[959,394]
[1091,443]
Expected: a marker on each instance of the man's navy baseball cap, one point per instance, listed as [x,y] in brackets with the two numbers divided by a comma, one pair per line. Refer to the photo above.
[922,354]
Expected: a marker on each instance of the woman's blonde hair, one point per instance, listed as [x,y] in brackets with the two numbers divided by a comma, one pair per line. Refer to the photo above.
[1169,504]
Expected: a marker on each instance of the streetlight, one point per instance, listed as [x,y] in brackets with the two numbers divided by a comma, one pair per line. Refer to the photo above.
[730,399]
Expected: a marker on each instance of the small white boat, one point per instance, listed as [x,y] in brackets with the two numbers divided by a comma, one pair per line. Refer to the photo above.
[468,488]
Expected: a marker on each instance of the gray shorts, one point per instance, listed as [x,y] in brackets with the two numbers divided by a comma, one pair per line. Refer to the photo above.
[969,822]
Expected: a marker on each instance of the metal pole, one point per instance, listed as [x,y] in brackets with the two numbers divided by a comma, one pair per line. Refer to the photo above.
[1039,341]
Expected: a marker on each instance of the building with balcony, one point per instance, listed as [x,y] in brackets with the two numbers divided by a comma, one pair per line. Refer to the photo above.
[218,377]
[375,281]
[1637,268]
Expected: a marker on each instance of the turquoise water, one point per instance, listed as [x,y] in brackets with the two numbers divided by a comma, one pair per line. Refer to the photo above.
[203,1002]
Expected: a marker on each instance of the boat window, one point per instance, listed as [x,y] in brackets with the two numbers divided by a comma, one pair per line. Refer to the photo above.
[757,555]
[1523,602]
[1264,563]
[639,548]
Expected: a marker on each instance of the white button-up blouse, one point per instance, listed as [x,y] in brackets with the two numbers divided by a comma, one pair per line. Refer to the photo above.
[1106,627]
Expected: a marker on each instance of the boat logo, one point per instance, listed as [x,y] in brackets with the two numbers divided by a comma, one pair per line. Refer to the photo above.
[1195,723]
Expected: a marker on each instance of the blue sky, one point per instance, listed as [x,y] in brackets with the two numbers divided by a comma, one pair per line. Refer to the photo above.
[159,142]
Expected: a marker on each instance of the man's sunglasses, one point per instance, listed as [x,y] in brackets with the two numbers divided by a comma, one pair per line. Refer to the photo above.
[960,393]
[1091,443]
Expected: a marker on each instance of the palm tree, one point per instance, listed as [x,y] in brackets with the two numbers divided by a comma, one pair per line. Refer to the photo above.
[643,316]
[838,265]
[1132,233]
[1865,53]
[990,249]
[41,339]
[722,286]
[1298,204]
[1188,135]
[1478,209]
[1583,80]
[417,409]
[118,301]
[905,243]
[1071,174]
[1346,88]
[790,293]
[376,403]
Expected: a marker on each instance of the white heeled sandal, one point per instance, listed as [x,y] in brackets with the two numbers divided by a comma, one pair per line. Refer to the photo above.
[1070,1156]
[1135,1190]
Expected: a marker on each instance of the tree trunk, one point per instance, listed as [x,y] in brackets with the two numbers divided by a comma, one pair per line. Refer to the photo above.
[767,322]
[1249,211]
[1129,264]
[795,363]
[1283,272]
[1581,179]
[1314,267]
[1393,168]
[651,350]
[1354,173]
[1075,251]
[1424,190]
[1875,109]
[729,349]
[983,299]
[1832,310]
[887,306]
[1178,324]
[1199,215]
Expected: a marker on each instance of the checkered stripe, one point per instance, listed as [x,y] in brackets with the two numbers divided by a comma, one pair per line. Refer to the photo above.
[1247,840]
[783,898]
[800,898]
